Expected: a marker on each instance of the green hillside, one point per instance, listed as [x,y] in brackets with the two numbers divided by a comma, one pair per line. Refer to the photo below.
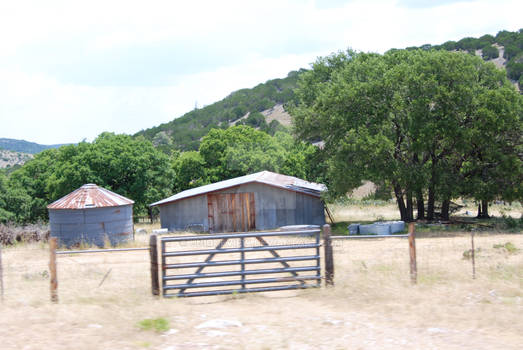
[24,146]
[505,49]
[184,133]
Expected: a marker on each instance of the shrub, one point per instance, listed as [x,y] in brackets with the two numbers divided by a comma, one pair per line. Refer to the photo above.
[489,52]
[509,247]
[12,234]
[511,223]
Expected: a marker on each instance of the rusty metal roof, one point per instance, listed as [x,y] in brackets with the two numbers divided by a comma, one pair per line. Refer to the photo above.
[90,196]
[264,177]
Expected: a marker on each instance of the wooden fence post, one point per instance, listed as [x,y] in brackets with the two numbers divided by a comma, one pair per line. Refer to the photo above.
[1,276]
[153,252]
[329,259]
[412,251]
[473,257]
[52,269]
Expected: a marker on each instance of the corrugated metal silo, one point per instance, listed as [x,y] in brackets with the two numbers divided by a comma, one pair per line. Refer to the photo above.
[91,214]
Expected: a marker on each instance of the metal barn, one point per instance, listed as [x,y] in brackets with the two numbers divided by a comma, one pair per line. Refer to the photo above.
[91,214]
[259,201]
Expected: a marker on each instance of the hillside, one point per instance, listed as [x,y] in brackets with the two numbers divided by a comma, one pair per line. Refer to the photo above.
[263,106]
[24,146]
[9,159]
[184,133]
[505,50]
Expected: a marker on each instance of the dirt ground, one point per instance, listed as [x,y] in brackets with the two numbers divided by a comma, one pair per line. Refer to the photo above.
[389,211]
[104,296]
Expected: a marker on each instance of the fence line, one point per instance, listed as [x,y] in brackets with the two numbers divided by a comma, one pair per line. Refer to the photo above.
[63,252]
[328,256]
[370,236]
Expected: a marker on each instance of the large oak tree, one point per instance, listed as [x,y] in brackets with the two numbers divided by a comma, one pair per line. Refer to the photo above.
[430,124]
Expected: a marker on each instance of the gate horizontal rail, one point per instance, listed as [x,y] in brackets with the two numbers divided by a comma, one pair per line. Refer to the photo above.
[246,261]
[304,281]
[239,273]
[239,250]
[240,235]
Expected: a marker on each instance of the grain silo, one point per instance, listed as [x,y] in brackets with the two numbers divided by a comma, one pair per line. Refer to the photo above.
[92,215]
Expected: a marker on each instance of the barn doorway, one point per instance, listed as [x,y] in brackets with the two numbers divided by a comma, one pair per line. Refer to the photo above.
[231,212]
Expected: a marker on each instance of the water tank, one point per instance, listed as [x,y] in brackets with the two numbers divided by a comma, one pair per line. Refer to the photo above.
[91,215]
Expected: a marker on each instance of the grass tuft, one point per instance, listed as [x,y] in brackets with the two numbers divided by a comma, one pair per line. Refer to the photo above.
[156,324]
[509,247]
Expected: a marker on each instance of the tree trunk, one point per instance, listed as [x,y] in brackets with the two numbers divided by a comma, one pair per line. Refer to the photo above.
[410,207]
[401,203]
[150,213]
[445,205]
[430,203]
[420,204]
[432,185]
[484,207]
[483,210]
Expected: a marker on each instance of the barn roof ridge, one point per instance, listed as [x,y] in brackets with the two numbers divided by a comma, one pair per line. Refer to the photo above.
[265,177]
[90,196]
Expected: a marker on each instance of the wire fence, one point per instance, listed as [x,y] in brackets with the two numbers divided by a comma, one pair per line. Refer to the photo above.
[25,274]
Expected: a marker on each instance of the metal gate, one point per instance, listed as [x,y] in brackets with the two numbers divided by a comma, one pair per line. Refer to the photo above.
[295,255]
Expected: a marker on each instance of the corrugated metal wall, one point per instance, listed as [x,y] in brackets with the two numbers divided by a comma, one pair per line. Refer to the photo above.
[185,214]
[93,225]
[275,207]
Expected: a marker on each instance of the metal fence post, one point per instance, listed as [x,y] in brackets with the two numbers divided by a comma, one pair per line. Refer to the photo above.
[329,259]
[153,252]
[242,256]
[52,269]
[412,253]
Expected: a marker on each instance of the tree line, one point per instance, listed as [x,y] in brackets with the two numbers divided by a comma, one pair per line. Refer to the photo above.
[430,125]
[133,167]
[426,125]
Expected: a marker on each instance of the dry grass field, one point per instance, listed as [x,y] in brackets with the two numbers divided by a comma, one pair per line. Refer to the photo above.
[372,306]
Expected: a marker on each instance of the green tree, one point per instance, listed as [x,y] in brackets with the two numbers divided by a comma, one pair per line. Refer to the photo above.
[406,119]
[489,52]
[163,142]
[190,171]
[239,150]
[515,67]
[132,167]
[15,203]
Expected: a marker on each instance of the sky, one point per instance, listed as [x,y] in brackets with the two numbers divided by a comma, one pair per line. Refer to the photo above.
[70,70]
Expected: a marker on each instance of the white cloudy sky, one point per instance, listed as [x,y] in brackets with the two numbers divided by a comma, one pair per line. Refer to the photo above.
[72,69]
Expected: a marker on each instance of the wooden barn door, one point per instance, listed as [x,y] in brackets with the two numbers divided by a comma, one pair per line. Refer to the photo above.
[231,212]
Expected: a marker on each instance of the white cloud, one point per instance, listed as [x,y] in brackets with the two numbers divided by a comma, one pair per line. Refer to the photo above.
[70,70]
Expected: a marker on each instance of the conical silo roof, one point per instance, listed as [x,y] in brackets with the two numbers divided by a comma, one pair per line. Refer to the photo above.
[90,196]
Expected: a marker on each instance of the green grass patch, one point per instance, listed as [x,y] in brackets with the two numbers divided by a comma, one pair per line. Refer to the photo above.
[509,247]
[154,324]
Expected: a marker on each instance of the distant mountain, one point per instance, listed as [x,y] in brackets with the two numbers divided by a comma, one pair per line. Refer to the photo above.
[24,146]
[263,106]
